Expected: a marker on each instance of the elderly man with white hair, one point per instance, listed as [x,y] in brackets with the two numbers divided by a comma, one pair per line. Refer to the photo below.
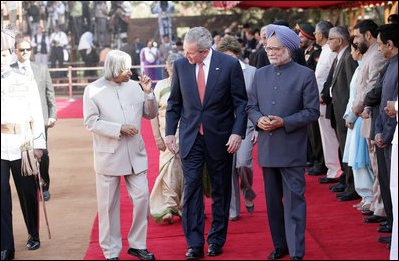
[283,101]
[113,107]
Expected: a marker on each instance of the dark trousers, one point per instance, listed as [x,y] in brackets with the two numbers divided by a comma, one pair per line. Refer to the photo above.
[287,221]
[193,205]
[45,165]
[57,54]
[28,198]
[316,145]
[384,179]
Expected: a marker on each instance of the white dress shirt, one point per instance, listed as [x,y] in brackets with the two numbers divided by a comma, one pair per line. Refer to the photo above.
[323,66]
[59,37]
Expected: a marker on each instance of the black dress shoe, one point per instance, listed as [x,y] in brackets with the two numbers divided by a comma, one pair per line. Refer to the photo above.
[386,229]
[316,172]
[339,195]
[33,243]
[143,254]
[385,239]
[112,258]
[367,212]
[195,253]
[7,254]
[278,253]
[326,180]
[296,258]
[374,219]
[383,223]
[214,250]
[339,187]
[349,197]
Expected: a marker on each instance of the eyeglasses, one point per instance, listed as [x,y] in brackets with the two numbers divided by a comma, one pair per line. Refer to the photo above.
[25,49]
[332,38]
[273,48]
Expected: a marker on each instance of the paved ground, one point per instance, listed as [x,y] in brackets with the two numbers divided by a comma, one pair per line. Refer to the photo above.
[73,205]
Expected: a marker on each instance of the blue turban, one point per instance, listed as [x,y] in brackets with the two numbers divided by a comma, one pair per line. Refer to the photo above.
[284,35]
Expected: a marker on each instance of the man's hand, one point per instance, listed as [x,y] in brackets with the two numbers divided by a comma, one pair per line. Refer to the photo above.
[262,122]
[145,83]
[254,138]
[170,141]
[51,122]
[38,154]
[234,143]
[379,141]
[274,123]
[366,113]
[321,101]
[390,109]
[129,130]
[160,144]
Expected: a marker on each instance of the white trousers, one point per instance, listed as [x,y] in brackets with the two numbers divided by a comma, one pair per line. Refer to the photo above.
[330,145]
[108,200]
[394,196]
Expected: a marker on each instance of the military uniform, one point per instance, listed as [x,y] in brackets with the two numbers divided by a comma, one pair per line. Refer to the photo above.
[312,54]
[21,120]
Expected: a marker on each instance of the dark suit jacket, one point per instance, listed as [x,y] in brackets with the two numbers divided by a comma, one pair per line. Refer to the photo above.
[340,84]
[46,90]
[290,92]
[223,109]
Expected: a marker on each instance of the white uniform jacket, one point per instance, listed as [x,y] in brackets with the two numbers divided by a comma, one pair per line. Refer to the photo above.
[106,107]
[20,104]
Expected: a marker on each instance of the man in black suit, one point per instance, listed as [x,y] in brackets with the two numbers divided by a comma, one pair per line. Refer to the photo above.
[208,97]
[336,94]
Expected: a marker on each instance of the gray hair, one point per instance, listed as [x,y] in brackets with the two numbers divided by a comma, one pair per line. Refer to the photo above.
[116,62]
[201,36]
[263,30]
[173,57]
[324,28]
[341,31]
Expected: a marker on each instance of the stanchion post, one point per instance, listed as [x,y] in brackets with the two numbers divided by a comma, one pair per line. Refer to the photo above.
[71,99]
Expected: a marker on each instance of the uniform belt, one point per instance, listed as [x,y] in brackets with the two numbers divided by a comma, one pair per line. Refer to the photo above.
[14,128]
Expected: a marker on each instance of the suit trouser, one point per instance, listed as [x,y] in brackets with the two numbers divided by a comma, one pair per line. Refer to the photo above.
[28,198]
[287,221]
[377,205]
[45,165]
[330,147]
[242,169]
[341,132]
[316,145]
[383,176]
[193,205]
[108,200]
[394,195]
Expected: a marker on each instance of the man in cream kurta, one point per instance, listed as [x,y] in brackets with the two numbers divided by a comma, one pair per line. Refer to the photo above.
[113,110]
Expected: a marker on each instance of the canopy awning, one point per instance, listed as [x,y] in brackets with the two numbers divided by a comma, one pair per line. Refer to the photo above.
[293,4]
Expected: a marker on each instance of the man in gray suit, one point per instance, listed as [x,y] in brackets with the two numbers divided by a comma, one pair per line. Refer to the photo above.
[284,100]
[41,74]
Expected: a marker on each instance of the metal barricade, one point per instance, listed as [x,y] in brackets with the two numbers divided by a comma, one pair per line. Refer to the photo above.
[70,83]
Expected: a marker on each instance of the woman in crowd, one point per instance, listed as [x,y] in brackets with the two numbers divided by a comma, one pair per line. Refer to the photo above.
[356,152]
[167,194]
[149,56]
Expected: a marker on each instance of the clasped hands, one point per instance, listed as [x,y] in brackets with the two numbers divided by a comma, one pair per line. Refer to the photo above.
[270,123]
[233,143]
[129,130]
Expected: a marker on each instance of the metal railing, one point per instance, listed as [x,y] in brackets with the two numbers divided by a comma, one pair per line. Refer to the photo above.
[70,83]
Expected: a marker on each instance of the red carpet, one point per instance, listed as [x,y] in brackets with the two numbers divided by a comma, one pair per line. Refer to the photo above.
[334,231]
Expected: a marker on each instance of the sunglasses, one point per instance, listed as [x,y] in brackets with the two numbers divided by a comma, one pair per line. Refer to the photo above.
[25,49]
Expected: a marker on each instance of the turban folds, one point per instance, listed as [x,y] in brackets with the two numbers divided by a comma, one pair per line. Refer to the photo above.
[284,35]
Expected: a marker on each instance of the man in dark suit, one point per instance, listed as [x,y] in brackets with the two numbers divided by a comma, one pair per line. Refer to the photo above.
[336,95]
[43,80]
[283,101]
[208,97]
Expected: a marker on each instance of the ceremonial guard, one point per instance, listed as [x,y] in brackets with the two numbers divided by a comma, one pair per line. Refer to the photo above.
[22,130]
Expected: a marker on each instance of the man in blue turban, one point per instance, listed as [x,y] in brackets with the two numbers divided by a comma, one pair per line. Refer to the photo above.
[284,100]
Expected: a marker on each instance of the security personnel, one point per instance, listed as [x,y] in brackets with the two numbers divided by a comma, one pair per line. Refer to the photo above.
[308,45]
[21,120]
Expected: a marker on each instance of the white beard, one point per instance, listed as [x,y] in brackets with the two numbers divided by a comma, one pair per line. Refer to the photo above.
[283,59]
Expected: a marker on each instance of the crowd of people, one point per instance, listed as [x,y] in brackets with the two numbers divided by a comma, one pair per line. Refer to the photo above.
[316,99]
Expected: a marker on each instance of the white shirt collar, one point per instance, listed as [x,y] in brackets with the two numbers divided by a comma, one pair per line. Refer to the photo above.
[26,63]
[207,60]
